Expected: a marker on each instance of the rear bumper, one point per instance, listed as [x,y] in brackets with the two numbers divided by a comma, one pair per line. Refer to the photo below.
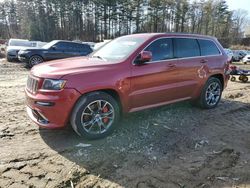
[51,109]
[226,79]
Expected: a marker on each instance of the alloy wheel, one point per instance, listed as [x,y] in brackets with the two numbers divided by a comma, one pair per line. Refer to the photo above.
[35,60]
[213,93]
[97,117]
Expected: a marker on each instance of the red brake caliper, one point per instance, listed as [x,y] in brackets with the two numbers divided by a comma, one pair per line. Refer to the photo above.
[105,110]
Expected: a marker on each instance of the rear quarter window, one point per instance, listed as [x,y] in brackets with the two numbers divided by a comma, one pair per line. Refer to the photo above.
[208,47]
[186,47]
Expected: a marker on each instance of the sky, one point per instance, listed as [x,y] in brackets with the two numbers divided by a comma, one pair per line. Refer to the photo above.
[233,4]
[239,4]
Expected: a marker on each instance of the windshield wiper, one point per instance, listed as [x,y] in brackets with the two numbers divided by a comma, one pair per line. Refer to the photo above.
[99,57]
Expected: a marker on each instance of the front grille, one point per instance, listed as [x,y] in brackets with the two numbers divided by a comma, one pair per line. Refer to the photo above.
[32,84]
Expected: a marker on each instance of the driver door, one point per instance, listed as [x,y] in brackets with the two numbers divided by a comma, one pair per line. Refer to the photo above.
[57,51]
[156,82]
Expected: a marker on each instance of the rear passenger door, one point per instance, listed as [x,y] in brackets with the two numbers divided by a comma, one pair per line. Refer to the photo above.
[85,50]
[81,50]
[190,65]
[211,54]
[72,50]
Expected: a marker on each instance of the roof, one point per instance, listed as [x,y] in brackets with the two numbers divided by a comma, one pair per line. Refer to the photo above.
[174,34]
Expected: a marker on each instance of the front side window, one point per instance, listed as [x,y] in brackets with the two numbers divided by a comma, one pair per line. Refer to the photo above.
[208,47]
[62,45]
[162,49]
[185,47]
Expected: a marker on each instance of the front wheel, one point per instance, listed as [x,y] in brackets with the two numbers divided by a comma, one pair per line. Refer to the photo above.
[95,115]
[211,93]
[34,60]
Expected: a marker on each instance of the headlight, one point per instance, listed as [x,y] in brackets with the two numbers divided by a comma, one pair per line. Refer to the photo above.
[51,84]
[24,52]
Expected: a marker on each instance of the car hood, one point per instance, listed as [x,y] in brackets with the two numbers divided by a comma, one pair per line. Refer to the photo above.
[60,68]
[9,48]
[33,49]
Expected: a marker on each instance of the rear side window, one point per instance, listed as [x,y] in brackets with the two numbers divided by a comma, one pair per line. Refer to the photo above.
[208,47]
[162,49]
[86,48]
[184,47]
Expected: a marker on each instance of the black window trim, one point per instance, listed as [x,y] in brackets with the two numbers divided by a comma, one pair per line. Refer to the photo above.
[175,58]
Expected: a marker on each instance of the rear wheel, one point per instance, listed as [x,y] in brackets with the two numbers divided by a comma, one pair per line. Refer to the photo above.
[95,115]
[233,79]
[211,93]
[34,60]
[244,79]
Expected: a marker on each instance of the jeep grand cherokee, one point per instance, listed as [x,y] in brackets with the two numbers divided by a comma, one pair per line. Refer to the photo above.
[128,74]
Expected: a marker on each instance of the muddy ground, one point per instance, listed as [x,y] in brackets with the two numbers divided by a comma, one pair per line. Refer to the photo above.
[176,146]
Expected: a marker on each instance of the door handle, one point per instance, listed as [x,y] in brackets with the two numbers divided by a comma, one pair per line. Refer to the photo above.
[203,61]
[171,65]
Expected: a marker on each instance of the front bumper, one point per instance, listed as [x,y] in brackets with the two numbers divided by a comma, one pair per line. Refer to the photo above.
[23,58]
[12,56]
[55,115]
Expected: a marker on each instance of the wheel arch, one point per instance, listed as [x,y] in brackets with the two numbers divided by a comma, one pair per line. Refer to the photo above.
[220,77]
[110,91]
[115,95]
[37,55]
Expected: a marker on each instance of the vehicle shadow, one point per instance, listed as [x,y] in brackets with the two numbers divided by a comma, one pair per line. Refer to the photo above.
[157,147]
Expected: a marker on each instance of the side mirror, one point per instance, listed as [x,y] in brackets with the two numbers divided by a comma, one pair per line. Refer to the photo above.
[54,48]
[144,56]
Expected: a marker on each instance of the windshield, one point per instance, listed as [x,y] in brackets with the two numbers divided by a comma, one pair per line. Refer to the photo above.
[119,48]
[48,45]
[20,43]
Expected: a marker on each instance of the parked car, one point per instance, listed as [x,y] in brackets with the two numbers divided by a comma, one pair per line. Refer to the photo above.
[38,44]
[2,48]
[229,54]
[128,74]
[246,59]
[238,55]
[57,49]
[14,45]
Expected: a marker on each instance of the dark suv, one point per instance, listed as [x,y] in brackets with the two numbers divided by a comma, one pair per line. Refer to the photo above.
[57,49]
[128,74]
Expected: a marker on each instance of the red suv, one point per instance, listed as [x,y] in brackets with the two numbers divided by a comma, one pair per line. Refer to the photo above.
[128,74]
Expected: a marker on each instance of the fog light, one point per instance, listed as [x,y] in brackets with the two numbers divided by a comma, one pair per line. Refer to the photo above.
[44,103]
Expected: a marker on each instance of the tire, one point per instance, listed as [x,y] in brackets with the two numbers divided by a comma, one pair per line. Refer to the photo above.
[34,60]
[9,59]
[89,117]
[233,79]
[244,79]
[210,98]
